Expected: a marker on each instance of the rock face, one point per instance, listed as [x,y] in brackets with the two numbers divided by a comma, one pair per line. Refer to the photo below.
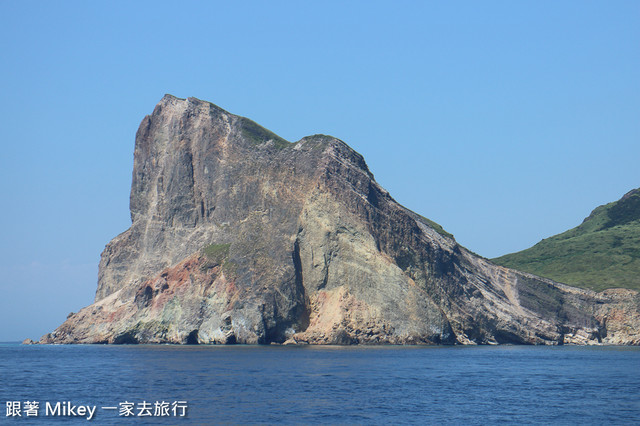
[238,236]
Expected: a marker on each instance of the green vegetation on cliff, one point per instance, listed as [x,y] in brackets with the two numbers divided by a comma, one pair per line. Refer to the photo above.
[257,134]
[603,252]
[437,227]
[218,254]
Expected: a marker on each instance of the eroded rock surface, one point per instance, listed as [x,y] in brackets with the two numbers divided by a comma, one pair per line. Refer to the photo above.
[238,236]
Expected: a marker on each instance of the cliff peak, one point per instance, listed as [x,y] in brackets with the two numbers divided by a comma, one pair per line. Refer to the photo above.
[239,236]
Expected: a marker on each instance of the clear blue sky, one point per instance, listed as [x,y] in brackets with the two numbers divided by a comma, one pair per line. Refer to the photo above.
[506,122]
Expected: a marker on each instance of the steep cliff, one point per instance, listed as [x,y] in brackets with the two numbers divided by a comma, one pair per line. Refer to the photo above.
[239,236]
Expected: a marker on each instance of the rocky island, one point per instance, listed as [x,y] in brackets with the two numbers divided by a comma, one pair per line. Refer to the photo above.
[239,236]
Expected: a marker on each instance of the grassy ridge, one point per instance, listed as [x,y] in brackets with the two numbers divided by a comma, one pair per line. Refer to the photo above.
[603,252]
[437,227]
[257,134]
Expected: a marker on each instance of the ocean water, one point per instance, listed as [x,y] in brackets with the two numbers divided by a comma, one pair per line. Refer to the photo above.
[330,385]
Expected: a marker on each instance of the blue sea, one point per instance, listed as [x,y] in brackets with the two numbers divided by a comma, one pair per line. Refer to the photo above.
[320,385]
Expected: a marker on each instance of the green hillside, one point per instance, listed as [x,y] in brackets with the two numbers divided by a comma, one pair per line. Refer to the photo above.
[603,252]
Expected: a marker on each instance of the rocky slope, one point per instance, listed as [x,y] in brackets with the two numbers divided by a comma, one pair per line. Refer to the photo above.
[603,252]
[238,236]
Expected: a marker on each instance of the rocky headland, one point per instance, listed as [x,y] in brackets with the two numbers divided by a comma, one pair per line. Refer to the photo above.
[239,236]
